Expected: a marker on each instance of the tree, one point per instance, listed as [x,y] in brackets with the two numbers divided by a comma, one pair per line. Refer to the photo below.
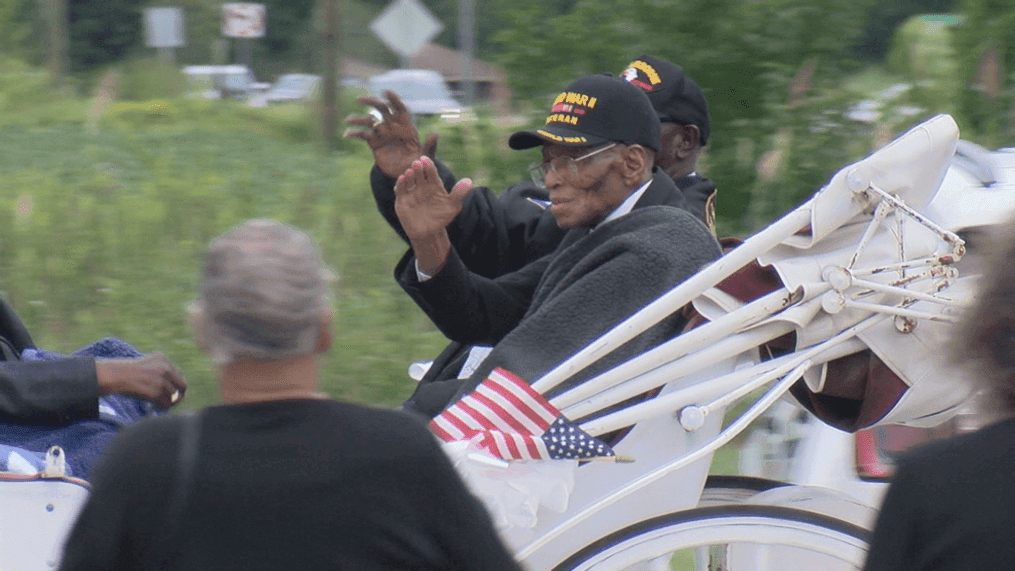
[102,32]
[15,26]
[985,42]
[744,55]
[884,17]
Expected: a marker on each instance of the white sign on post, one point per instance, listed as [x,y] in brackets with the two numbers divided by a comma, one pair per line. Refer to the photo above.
[163,27]
[241,20]
[405,25]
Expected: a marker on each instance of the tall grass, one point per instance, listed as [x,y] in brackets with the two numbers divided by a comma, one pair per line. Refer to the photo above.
[101,232]
[106,206]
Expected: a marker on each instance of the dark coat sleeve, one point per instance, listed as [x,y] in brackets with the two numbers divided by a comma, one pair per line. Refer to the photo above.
[467,307]
[493,235]
[46,392]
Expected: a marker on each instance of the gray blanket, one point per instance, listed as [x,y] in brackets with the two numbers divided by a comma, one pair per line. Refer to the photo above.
[544,312]
[597,282]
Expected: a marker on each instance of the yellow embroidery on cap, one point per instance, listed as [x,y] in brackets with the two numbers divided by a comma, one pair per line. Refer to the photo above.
[550,135]
[562,118]
[647,70]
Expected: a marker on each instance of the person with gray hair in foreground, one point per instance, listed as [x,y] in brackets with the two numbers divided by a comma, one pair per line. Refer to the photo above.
[277,476]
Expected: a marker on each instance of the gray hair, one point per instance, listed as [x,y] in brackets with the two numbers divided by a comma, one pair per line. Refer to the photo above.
[263,293]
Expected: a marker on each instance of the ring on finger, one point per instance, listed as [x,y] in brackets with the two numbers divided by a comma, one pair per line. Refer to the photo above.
[411,188]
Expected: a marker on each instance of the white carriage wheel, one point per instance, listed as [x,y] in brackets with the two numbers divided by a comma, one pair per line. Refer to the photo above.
[726,527]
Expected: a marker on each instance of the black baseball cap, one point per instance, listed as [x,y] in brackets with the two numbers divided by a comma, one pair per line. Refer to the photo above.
[596,109]
[674,95]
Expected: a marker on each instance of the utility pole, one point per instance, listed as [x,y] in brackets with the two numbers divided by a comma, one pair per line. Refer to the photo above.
[467,47]
[57,17]
[330,91]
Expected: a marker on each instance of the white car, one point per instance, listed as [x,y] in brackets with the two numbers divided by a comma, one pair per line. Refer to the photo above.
[223,81]
[290,87]
[423,91]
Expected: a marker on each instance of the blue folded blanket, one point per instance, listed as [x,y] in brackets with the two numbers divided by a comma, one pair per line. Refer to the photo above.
[24,446]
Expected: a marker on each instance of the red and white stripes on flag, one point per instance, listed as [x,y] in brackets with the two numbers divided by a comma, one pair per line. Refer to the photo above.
[509,415]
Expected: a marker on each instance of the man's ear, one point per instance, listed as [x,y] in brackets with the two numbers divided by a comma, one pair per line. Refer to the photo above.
[324,337]
[636,162]
[688,139]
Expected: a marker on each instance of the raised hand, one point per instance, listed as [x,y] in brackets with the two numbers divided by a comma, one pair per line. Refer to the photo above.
[425,209]
[393,138]
[151,378]
[421,203]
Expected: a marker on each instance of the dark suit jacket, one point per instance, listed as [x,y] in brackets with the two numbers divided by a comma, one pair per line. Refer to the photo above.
[42,391]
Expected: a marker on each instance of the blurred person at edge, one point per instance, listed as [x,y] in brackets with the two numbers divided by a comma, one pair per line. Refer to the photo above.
[625,245]
[494,235]
[277,476]
[951,503]
[77,402]
[67,389]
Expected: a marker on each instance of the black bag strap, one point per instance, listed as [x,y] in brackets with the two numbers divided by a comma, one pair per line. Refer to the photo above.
[186,462]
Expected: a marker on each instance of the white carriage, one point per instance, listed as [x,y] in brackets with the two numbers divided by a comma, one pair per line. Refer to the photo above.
[873,267]
[871,271]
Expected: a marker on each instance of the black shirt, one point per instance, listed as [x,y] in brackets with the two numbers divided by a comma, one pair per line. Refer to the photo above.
[302,484]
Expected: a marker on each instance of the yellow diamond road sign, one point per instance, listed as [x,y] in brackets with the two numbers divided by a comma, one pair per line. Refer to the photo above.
[405,25]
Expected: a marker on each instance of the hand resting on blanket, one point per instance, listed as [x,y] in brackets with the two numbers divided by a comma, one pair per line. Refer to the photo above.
[151,378]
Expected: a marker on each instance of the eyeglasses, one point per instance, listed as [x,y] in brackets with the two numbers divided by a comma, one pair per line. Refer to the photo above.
[538,171]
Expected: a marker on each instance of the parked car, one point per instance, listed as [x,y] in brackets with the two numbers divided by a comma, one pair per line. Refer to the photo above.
[223,81]
[423,91]
[290,87]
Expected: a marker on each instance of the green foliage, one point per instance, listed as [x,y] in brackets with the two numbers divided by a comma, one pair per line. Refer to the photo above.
[103,32]
[102,235]
[15,29]
[884,17]
[985,109]
[543,51]
[149,78]
[922,51]
[27,98]
[745,55]
[286,20]
[478,150]
[293,122]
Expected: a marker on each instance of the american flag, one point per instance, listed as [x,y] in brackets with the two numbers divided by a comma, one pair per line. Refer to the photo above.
[514,422]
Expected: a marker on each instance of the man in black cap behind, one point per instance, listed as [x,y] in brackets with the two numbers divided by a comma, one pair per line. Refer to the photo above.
[497,235]
[623,247]
[686,125]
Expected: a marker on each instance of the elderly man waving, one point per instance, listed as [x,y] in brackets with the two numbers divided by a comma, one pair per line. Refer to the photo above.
[623,248]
